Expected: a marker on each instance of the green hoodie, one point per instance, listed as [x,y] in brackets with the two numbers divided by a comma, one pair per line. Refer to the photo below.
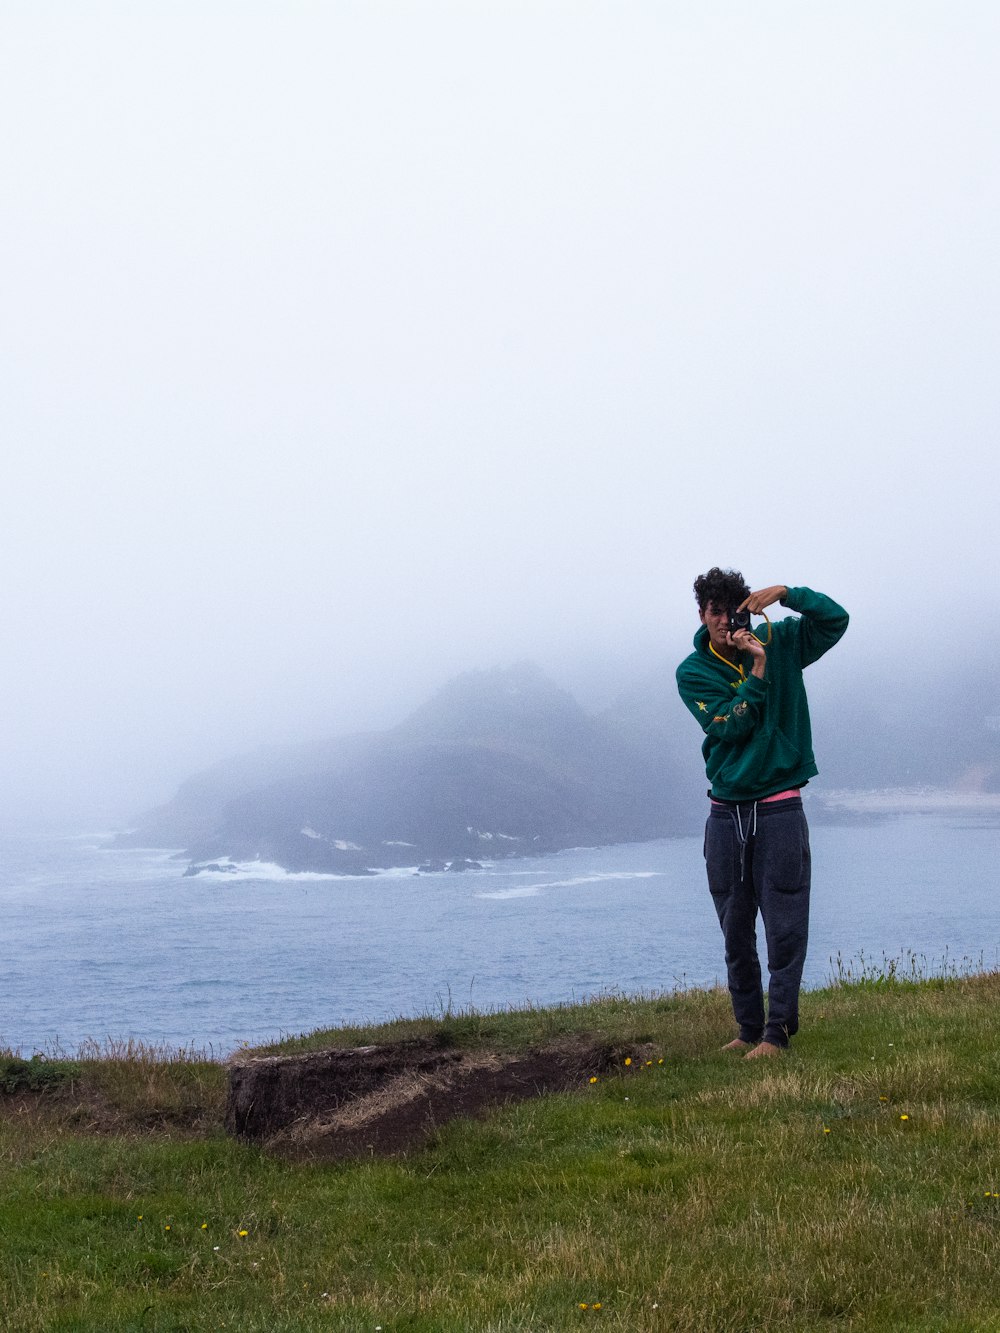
[757,735]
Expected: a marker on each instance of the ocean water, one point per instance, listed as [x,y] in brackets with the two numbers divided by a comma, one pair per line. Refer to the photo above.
[106,944]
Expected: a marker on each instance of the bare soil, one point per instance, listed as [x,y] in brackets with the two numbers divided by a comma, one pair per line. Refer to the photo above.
[385,1100]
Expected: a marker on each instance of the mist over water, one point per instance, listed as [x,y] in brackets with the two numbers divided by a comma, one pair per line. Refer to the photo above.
[349,347]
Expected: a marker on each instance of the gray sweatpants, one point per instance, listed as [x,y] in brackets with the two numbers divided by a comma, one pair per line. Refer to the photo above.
[757,858]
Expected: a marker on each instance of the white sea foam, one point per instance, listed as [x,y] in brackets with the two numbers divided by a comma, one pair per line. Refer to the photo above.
[529,890]
[525,891]
[230,872]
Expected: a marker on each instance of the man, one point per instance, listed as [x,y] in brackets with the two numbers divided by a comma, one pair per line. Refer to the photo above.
[748,695]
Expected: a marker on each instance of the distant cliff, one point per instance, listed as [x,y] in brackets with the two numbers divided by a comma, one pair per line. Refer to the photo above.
[498,763]
[504,763]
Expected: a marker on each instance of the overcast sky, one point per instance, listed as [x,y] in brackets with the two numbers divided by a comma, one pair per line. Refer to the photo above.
[349,345]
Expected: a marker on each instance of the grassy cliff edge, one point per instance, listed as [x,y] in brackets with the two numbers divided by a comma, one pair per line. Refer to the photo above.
[854,1183]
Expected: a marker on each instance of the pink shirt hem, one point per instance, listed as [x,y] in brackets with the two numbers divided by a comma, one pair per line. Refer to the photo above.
[765,800]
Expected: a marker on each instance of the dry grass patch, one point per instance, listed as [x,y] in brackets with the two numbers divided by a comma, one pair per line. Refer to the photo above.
[122,1088]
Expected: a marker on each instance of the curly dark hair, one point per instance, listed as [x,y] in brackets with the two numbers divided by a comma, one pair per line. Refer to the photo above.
[721,587]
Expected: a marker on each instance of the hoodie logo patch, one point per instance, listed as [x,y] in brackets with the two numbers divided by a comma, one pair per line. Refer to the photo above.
[702,708]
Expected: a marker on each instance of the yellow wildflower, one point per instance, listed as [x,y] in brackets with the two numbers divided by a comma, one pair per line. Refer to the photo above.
[904,1117]
[628,1059]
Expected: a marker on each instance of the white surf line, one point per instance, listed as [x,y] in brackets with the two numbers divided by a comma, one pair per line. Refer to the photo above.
[529,890]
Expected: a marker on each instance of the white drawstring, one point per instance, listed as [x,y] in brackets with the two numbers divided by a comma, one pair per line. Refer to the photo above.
[750,833]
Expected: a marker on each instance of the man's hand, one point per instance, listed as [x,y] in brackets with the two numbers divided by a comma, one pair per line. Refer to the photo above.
[747,642]
[757,601]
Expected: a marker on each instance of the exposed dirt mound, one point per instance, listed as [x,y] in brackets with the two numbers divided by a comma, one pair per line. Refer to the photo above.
[379,1100]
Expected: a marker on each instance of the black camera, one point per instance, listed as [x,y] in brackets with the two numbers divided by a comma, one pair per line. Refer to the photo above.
[738,620]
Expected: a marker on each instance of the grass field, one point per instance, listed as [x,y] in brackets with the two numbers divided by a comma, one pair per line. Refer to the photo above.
[852,1184]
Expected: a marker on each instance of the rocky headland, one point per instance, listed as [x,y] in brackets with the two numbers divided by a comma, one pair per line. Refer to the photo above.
[497,764]
[503,763]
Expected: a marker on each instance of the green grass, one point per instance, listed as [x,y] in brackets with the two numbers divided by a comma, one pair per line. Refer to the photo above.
[706,1193]
[36,1074]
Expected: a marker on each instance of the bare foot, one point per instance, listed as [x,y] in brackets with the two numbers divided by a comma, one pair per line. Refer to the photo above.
[764,1048]
[737,1044]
